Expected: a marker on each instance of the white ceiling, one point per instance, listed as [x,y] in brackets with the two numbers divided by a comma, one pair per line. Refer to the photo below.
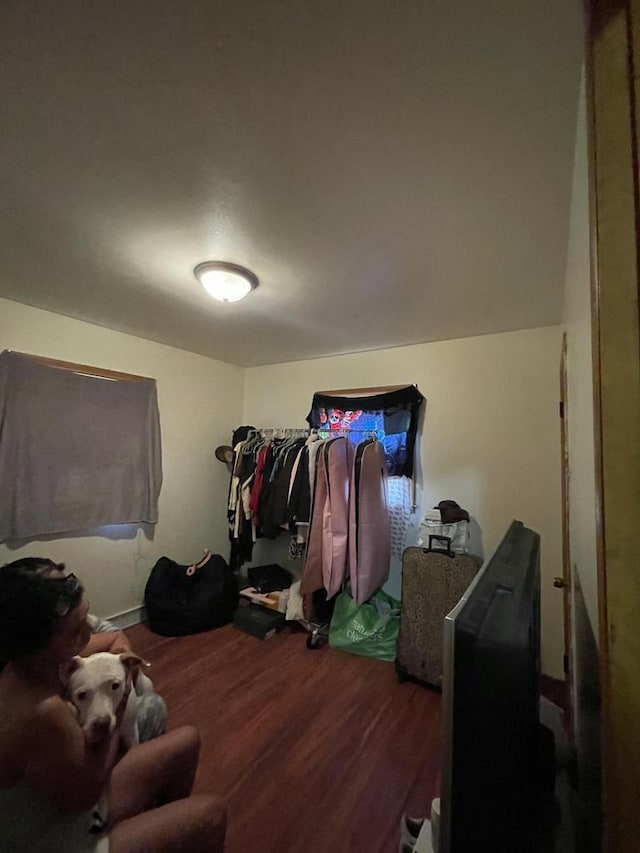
[394,171]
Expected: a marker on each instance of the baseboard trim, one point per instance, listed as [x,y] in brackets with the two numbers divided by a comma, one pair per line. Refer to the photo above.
[130,617]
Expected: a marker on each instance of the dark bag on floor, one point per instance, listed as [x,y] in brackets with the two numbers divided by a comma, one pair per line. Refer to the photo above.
[433,581]
[180,603]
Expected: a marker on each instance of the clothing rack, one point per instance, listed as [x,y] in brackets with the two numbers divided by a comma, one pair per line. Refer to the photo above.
[301,432]
[291,432]
[283,432]
[368,433]
[259,500]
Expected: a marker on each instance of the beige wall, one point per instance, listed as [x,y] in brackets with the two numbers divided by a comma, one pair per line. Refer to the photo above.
[577,310]
[491,436]
[200,402]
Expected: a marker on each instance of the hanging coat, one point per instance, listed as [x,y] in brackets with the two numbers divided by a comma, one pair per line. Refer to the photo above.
[335,518]
[369,538]
[312,572]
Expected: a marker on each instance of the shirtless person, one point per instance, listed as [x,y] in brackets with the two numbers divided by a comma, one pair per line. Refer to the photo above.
[50,777]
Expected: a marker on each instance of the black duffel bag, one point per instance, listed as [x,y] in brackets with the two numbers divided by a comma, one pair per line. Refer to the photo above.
[182,600]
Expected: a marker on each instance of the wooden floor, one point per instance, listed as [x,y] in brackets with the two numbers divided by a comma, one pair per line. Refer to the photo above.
[314,751]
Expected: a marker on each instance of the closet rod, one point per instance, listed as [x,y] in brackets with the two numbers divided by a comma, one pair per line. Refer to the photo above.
[286,430]
[374,433]
[86,369]
[302,431]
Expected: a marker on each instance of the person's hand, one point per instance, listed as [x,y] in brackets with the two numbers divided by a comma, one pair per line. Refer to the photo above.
[120,645]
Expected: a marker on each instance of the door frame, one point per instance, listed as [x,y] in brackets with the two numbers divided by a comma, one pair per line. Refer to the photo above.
[567,575]
[613,83]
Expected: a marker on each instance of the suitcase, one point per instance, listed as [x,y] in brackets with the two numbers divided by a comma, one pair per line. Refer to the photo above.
[433,581]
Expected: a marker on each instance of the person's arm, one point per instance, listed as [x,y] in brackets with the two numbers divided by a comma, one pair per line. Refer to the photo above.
[98,625]
[110,641]
[60,764]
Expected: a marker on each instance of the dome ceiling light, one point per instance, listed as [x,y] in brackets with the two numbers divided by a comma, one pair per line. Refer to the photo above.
[224,281]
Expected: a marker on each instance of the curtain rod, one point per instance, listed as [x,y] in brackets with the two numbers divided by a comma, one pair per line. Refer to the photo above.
[86,369]
[379,389]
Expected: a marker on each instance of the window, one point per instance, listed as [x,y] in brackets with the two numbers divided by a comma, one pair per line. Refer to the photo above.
[79,447]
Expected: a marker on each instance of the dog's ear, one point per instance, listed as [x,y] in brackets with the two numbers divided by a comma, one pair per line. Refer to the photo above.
[66,670]
[131,662]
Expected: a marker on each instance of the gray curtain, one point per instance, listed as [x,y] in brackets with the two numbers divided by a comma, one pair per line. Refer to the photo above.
[76,451]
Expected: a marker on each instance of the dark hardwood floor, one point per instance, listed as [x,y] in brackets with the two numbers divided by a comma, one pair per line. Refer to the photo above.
[314,751]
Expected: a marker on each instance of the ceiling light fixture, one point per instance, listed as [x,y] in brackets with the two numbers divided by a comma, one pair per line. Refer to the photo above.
[224,281]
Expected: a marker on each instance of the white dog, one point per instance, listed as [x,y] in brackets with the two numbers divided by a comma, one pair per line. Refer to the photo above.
[97,686]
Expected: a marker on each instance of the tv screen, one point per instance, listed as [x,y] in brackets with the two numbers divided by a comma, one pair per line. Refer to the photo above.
[491,703]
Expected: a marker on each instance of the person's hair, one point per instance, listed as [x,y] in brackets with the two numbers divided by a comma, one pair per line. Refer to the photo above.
[30,605]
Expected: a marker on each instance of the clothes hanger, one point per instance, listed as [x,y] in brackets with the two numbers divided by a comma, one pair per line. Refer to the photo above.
[253,442]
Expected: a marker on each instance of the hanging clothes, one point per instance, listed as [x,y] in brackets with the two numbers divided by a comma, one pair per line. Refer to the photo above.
[369,539]
[299,506]
[335,518]
[349,529]
[266,495]
[312,575]
[258,480]
[344,518]
[276,510]
[238,512]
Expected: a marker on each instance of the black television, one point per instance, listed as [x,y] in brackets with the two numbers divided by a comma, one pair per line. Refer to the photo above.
[492,778]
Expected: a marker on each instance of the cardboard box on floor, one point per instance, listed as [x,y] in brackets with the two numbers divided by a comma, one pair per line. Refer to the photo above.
[273,600]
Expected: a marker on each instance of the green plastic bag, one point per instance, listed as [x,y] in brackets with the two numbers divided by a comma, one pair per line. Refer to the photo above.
[370,629]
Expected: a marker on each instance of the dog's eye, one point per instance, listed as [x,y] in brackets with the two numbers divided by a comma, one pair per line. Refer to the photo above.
[81,695]
[115,685]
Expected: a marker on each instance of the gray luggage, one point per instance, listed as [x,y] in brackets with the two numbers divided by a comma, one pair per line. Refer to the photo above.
[433,581]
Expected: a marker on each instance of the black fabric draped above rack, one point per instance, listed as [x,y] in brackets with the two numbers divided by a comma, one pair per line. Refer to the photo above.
[392,415]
